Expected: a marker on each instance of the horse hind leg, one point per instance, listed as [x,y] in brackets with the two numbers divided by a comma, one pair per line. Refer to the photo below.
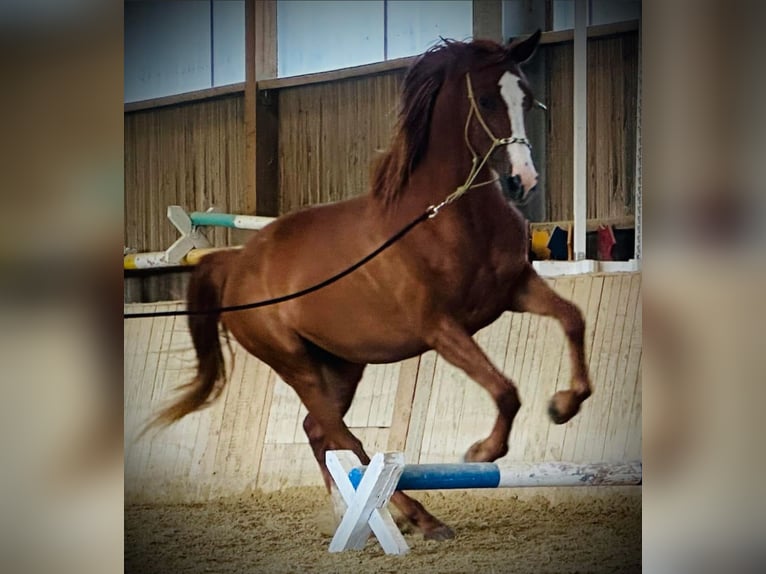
[341,380]
[534,295]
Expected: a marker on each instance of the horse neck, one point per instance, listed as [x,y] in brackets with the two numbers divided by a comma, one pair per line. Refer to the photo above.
[445,166]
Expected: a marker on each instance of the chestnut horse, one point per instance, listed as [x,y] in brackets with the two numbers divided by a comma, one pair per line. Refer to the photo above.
[460,135]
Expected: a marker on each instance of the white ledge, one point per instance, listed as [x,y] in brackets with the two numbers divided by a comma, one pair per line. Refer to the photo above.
[556,268]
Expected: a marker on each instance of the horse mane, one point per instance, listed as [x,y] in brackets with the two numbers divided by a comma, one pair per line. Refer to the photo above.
[421,85]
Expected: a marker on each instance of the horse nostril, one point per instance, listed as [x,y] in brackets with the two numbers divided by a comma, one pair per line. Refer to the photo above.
[512,187]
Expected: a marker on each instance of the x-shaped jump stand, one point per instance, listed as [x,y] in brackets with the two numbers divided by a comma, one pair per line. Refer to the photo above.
[367,505]
[191,236]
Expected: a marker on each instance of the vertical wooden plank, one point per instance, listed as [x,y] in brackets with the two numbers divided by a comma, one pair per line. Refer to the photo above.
[420,404]
[633,443]
[161,394]
[237,413]
[595,302]
[633,375]
[403,404]
[375,396]
[561,370]
[614,383]
[551,353]
[141,450]
[523,419]
[138,382]
[590,436]
[384,396]
[267,379]
[243,448]
[477,409]
[283,414]
[285,465]
[617,425]
[178,371]
[514,359]
[443,410]
[155,449]
[185,430]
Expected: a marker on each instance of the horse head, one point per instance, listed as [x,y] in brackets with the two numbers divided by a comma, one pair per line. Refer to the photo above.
[464,102]
[498,97]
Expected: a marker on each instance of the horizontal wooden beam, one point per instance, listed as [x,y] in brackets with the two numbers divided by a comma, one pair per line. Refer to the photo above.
[342,74]
[600,31]
[625,221]
[186,97]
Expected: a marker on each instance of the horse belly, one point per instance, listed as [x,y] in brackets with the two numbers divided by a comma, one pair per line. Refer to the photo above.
[358,331]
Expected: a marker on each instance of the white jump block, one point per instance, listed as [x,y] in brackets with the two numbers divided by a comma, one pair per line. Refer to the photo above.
[367,505]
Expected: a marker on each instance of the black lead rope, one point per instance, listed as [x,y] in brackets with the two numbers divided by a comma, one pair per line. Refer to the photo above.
[428,213]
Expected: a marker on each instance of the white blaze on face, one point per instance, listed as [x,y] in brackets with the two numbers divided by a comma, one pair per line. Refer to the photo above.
[518,153]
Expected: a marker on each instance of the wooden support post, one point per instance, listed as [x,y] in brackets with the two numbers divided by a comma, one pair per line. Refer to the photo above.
[580,140]
[637,196]
[488,20]
[548,15]
[261,168]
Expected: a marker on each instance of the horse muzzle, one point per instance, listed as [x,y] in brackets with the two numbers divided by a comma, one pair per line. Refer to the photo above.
[514,189]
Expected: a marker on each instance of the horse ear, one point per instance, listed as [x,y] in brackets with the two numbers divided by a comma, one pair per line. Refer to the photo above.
[525,49]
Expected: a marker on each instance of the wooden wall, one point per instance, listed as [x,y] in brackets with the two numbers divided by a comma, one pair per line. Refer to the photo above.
[612,90]
[252,437]
[194,155]
[190,155]
[329,134]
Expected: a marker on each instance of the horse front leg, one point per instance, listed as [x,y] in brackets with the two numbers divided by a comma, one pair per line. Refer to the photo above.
[534,295]
[456,345]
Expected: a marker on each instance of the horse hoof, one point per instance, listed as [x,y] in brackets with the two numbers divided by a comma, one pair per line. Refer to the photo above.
[561,408]
[473,453]
[478,452]
[442,532]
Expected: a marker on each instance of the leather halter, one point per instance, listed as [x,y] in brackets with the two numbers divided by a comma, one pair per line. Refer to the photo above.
[476,163]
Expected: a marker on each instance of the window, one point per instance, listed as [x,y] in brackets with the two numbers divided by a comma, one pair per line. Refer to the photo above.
[176,47]
[599,12]
[319,35]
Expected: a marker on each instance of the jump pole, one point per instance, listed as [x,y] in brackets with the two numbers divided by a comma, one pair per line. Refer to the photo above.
[367,490]
[208,218]
[193,244]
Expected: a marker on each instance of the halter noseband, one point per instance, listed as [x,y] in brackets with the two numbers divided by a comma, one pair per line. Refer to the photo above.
[476,165]
[495,140]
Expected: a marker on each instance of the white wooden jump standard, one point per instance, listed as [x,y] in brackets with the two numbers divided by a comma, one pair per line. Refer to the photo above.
[192,237]
[367,490]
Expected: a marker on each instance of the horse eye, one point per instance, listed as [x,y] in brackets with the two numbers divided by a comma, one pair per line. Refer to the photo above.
[486,102]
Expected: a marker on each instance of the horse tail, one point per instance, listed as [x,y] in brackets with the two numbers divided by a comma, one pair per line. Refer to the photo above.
[205,292]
